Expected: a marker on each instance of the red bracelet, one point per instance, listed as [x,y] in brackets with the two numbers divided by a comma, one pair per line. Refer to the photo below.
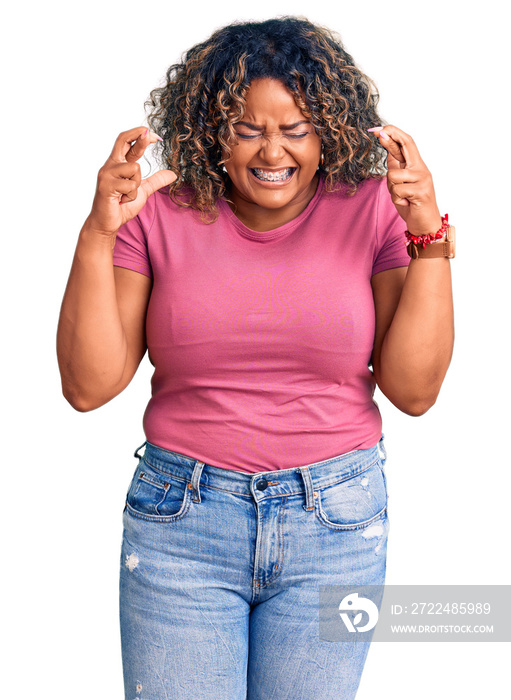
[430,237]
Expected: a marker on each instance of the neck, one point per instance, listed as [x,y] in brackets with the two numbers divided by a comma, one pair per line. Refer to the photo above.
[260,219]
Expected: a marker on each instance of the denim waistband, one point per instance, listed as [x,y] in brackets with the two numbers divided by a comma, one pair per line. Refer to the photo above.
[303,479]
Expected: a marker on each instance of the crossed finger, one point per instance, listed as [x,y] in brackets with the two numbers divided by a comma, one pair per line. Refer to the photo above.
[401,148]
[130,145]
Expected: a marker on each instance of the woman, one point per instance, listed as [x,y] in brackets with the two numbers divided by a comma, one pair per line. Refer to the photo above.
[268,266]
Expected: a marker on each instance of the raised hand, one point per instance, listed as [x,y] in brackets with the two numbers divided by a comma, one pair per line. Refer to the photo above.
[121,193]
[409,181]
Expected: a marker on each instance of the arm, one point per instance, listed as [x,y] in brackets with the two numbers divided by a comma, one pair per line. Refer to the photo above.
[101,331]
[414,334]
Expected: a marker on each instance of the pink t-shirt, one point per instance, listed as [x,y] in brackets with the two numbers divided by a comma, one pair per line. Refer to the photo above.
[261,341]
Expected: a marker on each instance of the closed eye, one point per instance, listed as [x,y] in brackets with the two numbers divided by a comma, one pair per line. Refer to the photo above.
[250,137]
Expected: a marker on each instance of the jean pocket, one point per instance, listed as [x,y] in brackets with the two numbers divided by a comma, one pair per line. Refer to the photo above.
[155,496]
[354,502]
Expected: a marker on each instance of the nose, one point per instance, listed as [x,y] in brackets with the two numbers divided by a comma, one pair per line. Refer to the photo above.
[272,150]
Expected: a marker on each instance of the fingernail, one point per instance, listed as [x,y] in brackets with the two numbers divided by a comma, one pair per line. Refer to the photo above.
[145,133]
[375,128]
[384,136]
[159,138]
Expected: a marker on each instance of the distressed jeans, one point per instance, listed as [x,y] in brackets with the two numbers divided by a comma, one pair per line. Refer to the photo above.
[221,569]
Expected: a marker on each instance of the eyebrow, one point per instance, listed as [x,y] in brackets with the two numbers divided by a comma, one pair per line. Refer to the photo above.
[284,127]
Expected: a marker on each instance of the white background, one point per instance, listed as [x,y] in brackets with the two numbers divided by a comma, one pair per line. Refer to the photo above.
[75,76]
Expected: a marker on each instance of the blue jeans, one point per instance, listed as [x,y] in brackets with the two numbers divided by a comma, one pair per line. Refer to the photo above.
[220,573]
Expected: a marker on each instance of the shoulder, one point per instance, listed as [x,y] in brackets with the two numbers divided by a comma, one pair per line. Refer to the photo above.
[168,213]
[162,206]
[362,204]
[176,201]
[369,190]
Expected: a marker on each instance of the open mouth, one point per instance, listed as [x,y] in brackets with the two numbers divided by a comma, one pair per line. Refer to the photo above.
[273,175]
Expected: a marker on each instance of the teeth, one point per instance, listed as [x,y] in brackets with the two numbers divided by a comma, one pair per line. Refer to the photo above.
[270,176]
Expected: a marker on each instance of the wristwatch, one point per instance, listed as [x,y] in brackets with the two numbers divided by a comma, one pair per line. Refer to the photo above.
[441,249]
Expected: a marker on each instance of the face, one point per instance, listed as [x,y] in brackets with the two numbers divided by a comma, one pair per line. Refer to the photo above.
[274,165]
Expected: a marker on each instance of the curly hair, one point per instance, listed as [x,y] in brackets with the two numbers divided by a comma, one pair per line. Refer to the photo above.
[204,96]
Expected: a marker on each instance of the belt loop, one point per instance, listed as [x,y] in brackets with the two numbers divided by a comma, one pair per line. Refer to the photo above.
[137,455]
[194,484]
[309,488]
[382,450]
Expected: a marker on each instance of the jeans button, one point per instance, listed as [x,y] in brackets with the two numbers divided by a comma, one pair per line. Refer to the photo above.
[261,485]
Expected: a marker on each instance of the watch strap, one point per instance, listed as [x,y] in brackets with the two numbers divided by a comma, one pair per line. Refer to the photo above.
[441,249]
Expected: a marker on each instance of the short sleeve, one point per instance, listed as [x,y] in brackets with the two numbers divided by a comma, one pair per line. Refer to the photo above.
[131,247]
[390,249]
